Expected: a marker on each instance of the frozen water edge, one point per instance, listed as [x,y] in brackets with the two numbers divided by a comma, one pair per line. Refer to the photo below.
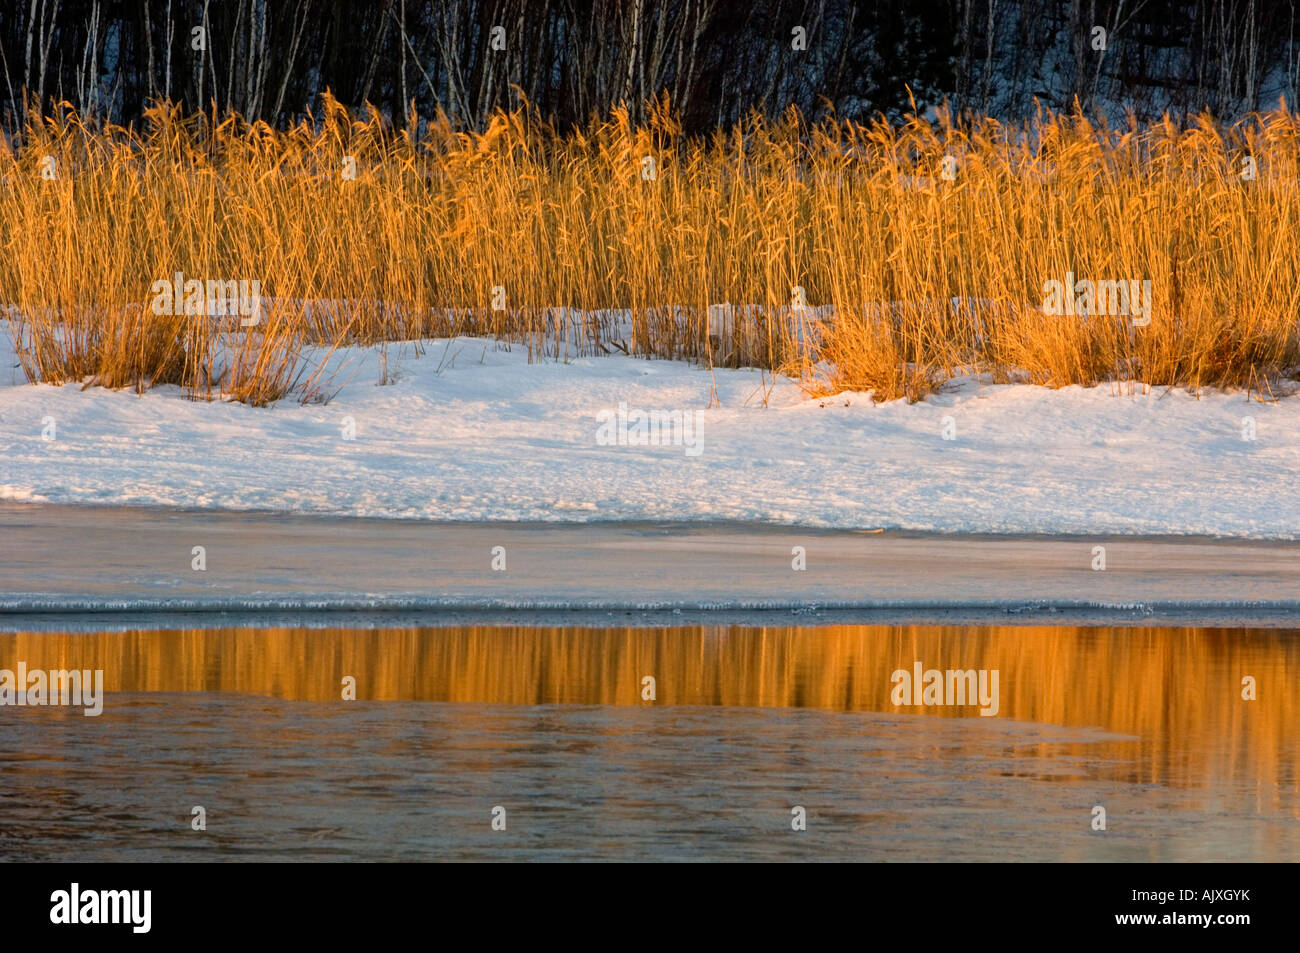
[471,431]
[64,567]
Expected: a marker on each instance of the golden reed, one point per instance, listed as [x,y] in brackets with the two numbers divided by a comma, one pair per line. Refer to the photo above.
[359,233]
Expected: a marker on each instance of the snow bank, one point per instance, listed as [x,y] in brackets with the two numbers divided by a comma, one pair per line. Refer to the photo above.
[471,431]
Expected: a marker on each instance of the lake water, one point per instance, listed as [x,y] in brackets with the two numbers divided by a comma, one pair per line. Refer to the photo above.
[747,725]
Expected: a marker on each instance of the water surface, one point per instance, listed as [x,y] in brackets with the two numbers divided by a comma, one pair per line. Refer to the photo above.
[747,723]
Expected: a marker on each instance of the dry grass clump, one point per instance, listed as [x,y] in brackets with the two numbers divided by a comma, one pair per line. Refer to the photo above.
[922,247]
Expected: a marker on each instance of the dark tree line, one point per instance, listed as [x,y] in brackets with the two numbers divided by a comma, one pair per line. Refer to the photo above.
[716,60]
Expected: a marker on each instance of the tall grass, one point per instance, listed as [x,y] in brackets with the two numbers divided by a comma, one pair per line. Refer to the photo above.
[577,238]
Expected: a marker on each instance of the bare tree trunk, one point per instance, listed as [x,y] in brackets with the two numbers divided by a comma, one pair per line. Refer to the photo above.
[632,49]
[230,54]
[402,69]
[27,62]
[50,9]
[151,89]
[88,72]
[171,28]
[207,50]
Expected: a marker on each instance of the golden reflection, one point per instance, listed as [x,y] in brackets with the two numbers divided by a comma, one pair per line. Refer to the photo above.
[1177,689]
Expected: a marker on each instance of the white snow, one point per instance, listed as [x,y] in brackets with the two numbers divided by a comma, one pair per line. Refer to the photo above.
[472,431]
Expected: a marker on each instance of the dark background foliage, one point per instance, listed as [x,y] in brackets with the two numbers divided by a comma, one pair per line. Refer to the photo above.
[716,60]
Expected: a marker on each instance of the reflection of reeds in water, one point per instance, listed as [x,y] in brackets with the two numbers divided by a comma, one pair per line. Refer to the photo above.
[1179,690]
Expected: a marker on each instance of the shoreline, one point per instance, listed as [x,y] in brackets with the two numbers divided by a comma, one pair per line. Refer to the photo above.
[86,566]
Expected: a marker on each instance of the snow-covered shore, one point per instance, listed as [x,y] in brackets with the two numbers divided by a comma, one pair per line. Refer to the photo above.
[472,431]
